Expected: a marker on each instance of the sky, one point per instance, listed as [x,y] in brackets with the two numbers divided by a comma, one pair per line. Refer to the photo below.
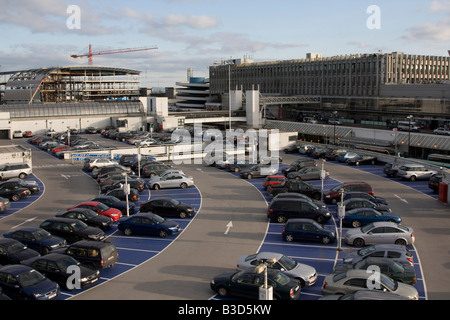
[198,33]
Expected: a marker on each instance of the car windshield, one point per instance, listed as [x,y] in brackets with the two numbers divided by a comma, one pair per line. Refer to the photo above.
[30,278]
[90,214]
[175,202]
[367,228]
[287,263]
[15,247]
[65,263]
[157,219]
[281,278]
[389,283]
[102,206]
[366,251]
[78,225]
[41,234]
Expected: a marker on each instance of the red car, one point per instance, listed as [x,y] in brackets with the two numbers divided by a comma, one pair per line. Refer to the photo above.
[100,208]
[273,180]
[60,148]
[27,134]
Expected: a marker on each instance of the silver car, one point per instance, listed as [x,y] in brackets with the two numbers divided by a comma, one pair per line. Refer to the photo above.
[171,181]
[354,280]
[415,172]
[306,274]
[379,232]
[396,252]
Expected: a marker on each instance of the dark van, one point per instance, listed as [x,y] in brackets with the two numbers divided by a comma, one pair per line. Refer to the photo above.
[281,210]
[95,254]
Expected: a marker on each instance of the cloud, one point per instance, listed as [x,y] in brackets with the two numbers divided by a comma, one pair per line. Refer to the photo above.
[194,22]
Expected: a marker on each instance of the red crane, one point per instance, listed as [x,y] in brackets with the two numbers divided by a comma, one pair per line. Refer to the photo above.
[99,53]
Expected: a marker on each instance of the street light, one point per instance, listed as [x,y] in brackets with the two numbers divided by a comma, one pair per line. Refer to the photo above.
[341,215]
[409,134]
[334,127]
[126,190]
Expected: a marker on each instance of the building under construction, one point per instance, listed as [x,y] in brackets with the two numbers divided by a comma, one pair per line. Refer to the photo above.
[68,85]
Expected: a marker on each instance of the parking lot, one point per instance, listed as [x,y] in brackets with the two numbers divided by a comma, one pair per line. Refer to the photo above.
[181,267]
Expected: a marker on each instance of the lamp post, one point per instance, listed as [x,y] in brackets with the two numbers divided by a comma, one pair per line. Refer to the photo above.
[409,134]
[334,127]
[341,215]
[265,292]
[322,177]
[126,190]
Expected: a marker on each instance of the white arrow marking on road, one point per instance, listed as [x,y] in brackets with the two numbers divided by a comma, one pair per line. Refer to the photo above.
[229,225]
[401,199]
[26,221]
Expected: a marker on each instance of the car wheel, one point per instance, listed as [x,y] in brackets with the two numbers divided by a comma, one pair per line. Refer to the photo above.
[22,175]
[128,231]
[281,218]
[15,197]
[289,237]
[249,176]
[183,215]
[162,233]
[358,242]
[302,282]
[45,251]
[326,240]
[222,291]
[356,224]
[400,242]
[156,187]
[298,178]
[413,178]
[236,170]
[183,185]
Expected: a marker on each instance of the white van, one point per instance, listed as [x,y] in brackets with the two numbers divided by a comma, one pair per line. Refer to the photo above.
[405,125]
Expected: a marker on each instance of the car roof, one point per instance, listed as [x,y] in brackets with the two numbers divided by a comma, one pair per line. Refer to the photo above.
[300,220]
[15,269]
[52,256]
[7,240]
[61,219]
[268,255]
[28,229]
[90,203]
[91,243]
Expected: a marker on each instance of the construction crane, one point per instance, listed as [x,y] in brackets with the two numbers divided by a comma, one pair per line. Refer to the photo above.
[99,53]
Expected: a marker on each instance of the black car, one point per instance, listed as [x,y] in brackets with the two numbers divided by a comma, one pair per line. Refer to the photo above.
[20,183]
[37,239]
[14,252]
[283,209]
[362,159]
[108,169]
[292,148]
[297,186]
[354,203]
[168,207]
[60,268]
[88,216]
[434,181]
[364,195]
[93,254]
[137,184]
[299,164]
[133,196]
[247,283]
[72,230]
[116,203]
[390,169]
[14,193]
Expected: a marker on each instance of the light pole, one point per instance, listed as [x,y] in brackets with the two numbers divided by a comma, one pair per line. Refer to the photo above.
[409,134]
[322,177]
[265,292]
[334,127]
[341,215]
[126,190]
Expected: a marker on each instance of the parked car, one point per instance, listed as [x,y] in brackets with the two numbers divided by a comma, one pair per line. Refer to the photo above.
[364,195]
[415,172]
[390,169]
[138,184]
[291,148]
[147,142]
[154,169]
[399,253]
[239,166]
[93,254]
[171,181]
[334,153]
[37,239]
[20,183]
[434,181]
[355,280]
[404,273]
[109,169]
[5,204]
[88,216]
[319,153]
[27,134]
[364,295]
[306,274]
[379,232]
[100,208]
[284,209]
[355,203]
[116,203]
[13,193]
[168,207]
[246,283]
[307,230]
[344,156]
[333,195]
[20,282]
[148,224]
[72,230]
[17,134]
[298,164]
[91,130]
[13,251]
[442,131]
[362,216]
[133,195]
[259,171]
[308,173]
[297,186]
[362,159]
[299,196]
[14,170]
[55,266]
[273,180]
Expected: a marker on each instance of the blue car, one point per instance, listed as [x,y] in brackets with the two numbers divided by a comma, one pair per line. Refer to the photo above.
[148,224]
[307,230]
[20,282]
[361,216]
[37,239]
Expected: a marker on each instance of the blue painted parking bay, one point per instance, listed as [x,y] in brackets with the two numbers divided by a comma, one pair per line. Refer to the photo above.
[324,257]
